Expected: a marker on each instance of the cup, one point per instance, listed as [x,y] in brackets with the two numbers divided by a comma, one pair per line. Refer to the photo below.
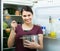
[30,38]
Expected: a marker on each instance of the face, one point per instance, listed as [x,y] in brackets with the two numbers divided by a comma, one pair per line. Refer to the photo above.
[27,17]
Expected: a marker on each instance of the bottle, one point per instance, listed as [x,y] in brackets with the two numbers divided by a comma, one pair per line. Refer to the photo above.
[52,33]
[5,12]
[50,24]
[50,19]
[17,12]
[44,30]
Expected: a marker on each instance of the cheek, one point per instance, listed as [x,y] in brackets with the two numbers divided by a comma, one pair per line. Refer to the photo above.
[31,17]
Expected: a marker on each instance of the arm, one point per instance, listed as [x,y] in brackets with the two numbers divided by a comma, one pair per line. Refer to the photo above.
[11,38]
[40,46]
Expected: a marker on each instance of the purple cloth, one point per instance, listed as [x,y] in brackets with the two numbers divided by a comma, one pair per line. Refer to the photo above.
[20,32]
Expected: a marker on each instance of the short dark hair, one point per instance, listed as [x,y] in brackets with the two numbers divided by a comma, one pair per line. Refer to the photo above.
[26,8]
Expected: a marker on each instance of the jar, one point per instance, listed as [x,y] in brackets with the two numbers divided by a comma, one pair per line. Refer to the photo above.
[17,12]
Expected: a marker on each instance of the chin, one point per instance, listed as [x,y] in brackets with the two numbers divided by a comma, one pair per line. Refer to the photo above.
[28,22]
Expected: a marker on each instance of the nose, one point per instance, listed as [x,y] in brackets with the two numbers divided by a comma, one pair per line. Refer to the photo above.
[27,17]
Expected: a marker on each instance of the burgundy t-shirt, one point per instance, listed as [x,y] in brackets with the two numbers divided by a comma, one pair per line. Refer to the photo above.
[20,32]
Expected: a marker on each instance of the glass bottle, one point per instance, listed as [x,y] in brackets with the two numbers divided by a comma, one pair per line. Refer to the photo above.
[52,33]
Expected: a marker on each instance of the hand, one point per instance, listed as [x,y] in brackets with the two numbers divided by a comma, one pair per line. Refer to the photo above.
[31,45]
[14,24]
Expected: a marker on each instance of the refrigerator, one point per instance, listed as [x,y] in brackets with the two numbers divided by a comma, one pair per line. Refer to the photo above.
[42,11]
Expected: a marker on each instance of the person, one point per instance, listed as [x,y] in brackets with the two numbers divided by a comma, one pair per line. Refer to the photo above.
[27,28]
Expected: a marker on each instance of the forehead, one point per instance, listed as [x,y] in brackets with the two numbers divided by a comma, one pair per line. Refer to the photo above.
[26,12]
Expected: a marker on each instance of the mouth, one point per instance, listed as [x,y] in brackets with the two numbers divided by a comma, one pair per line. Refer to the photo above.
[29,20]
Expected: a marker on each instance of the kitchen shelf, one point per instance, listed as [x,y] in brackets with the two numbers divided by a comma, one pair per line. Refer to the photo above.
[49,37]
[8,48]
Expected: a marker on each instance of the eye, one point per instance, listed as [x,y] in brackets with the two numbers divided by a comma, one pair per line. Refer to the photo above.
[29,15]
[24,15]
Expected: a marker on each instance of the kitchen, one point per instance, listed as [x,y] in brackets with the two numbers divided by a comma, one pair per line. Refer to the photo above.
[46,14]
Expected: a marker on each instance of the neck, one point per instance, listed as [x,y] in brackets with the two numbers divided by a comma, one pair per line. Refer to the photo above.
[28,24]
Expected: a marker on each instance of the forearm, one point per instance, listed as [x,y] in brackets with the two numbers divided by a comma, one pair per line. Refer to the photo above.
[11,39]
[40,47]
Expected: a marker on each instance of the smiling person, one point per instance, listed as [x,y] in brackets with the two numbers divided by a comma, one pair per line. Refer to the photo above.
[27,28]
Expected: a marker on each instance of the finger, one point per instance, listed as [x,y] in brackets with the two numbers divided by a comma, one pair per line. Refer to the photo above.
[26,41]
[13,22]
[26,44]
[13,25]
[28,47]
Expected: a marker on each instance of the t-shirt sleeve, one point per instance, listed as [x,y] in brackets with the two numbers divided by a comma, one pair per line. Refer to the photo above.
[16,29]
[39,30]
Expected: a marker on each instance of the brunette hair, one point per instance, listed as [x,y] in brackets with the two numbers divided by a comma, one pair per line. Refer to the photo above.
[26,8]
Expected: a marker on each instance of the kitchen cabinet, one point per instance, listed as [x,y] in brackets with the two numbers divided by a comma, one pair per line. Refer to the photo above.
[10,11]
